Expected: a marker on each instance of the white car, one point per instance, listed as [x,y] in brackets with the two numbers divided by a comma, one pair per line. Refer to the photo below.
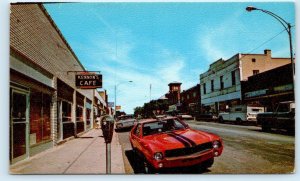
[125,121]
[241,113]
[185,117]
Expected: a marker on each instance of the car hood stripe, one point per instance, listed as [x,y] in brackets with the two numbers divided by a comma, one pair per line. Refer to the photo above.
[186,139]
[180,139]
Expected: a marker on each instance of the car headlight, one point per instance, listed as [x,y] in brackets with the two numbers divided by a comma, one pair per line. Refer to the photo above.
[216,144]
[158,156]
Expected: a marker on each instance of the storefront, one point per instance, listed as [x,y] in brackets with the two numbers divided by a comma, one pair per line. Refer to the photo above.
[30,116]
[65,126]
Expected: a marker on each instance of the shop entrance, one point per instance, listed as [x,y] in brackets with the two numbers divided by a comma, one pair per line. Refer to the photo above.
[19,125]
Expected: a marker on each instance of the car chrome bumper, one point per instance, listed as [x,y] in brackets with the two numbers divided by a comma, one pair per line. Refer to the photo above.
[184,161]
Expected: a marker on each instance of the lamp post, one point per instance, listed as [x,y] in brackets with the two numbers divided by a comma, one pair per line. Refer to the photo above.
[287,26]
[116,86]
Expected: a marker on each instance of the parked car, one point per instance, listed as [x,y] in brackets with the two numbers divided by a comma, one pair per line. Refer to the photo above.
[185,117]
[125,121]
[206,117]
[282,118]
[240,114]
[169,143]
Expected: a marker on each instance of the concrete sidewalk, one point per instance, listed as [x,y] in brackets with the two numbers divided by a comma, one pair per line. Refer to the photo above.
[82,155]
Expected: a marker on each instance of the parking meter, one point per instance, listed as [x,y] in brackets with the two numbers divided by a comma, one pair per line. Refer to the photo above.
[107,126]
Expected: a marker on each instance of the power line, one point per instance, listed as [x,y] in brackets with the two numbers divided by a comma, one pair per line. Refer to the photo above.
[266,41]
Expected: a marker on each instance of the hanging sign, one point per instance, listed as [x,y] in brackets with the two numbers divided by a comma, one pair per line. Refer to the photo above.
[88,81]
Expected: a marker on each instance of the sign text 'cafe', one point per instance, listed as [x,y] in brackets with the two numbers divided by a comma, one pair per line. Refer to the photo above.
[88,81]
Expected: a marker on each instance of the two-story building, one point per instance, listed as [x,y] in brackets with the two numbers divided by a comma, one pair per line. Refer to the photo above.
[221,84]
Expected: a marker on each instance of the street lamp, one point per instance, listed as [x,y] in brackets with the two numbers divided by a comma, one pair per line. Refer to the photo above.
[287,26]
[116,85]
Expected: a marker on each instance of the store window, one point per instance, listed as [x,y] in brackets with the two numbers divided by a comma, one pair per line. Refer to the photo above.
[40,124]
[79,113]
[88,116]
[66,111]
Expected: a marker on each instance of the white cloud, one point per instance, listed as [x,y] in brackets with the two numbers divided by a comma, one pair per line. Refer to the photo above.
[130,95]
[217,42]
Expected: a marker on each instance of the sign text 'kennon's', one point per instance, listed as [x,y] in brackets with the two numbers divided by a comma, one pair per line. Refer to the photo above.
[88,81]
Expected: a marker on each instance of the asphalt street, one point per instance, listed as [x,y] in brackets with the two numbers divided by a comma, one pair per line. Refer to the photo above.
[247,150]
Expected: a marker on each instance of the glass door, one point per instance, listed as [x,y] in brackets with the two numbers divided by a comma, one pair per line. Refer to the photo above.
[19,124]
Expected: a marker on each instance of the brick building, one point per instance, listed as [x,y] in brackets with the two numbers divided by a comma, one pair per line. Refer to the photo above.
[190,100]
[46,108]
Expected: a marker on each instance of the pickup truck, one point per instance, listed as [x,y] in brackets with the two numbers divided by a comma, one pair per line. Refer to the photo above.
[282,118]
[240,114]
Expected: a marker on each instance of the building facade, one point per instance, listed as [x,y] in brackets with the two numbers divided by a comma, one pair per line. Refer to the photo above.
[269,88]
[190,100]
[46,108]
[221,84]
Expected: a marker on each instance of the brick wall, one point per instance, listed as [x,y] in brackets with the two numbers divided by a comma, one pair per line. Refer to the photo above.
[35,35]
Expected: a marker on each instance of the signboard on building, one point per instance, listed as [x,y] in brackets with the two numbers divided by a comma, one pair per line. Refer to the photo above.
[88,81]
[256,93]
[283,88]
[111,104]
[118,108]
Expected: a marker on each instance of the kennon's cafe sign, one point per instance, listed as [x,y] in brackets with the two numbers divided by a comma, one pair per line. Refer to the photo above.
[88,81]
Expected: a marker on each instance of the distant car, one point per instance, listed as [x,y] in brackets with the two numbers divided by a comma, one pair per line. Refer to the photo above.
[125,121]
[185,117]
[206,117]
[169,143]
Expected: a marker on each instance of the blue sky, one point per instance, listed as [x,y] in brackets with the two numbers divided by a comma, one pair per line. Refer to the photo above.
[157,43]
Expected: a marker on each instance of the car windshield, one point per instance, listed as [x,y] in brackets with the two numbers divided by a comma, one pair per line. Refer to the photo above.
[162,126]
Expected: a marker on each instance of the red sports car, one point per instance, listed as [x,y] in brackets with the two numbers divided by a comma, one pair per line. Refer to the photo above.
[169,142]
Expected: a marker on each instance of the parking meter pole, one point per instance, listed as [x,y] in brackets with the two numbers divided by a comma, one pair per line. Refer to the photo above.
[108,158]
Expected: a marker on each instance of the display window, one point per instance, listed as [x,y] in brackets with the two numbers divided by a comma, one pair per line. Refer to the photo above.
[66,111]
[40,123]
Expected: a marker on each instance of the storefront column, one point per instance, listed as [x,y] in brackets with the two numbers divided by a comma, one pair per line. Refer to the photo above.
[53,114]
[74,105]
